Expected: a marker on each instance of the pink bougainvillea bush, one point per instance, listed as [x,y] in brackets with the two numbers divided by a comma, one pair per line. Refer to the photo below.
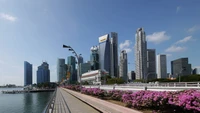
[187,101]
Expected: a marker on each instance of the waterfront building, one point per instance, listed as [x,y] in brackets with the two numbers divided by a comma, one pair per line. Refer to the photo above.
[43,73]
[80,60]
[104,53]
[131,75]
[123,68]
[71,61]
[61,70]
[161,66]
[94,58]
[180,67]
[114,54]
[151,64]
[27,73]
[140,54]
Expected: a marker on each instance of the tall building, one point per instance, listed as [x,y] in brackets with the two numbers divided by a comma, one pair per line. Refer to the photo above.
[151,64]
[94,58]
[140,54]
[43,73]
[71,61]
[161,66]
[27,73]
[123,68]
[114,54]
[104,53]
[85,67]
[131,75]
[196,71]
[61,70]
[178,65]
[80,58]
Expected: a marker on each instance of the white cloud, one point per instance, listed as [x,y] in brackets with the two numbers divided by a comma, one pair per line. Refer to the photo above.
[128,50]
[158,37]
[175,49]
[193,29]
[8,17]
[169,55]
[126,46]
[178,9]
[184,40]
[127,43]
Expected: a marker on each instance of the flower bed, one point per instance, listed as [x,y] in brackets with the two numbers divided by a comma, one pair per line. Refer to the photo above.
[187,101]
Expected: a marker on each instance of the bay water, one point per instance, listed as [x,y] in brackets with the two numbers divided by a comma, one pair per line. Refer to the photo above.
[23,102]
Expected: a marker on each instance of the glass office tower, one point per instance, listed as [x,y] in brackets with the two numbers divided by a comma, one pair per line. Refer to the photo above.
[61,70]
[104,53]
[43,73]
[27,73]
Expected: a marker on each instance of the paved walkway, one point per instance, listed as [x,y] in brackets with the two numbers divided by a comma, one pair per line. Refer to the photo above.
[102,105]
[66,103]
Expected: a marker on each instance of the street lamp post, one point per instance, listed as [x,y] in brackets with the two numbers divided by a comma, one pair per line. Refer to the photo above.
[74,52]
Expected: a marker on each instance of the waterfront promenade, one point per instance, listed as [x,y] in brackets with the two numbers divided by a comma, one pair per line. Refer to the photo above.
[67,103]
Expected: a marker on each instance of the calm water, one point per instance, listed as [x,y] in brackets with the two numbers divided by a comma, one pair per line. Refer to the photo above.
[24,102]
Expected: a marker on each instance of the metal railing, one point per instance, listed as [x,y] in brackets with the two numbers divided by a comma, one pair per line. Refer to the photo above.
[50,106]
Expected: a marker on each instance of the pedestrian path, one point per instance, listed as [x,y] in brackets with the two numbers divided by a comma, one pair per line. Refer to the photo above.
[66,103]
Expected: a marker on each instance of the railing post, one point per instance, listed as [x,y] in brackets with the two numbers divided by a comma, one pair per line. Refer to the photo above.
[174,84]
[198,84]
[186,84]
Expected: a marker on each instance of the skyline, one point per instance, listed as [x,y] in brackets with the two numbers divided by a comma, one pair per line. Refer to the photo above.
[35,31]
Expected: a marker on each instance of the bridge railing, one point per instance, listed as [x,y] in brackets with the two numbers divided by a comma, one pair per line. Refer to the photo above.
[50,106]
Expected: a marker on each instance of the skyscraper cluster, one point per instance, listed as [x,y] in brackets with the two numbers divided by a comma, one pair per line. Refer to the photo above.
[42,75]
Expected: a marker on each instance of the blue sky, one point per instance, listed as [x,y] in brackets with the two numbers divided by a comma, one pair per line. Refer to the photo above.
[34,30]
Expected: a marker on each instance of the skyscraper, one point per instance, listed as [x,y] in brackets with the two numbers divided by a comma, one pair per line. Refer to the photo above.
[72,64]
[151,64]
[114,54]
[104,53]
[61,69]
[131,75]
[27,73]
[140,54]
[94,58]
[123,68]
[43,73]
[161,66]
[178,65]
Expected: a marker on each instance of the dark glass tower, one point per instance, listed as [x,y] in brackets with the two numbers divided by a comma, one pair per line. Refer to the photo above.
[94,58]
[104,53]
[43,73]
[61,69]
[27,73]
[71,61]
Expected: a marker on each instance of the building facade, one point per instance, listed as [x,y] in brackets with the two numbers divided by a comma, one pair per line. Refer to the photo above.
[104,53]
[27,73]
[196,71]
[94,58]
[123,68]
[43,73]
[140,54]
[61,70]
[71,62]
[131,75]
[178,65]
[161,66]
[84,67]
[114,54]
[151,64]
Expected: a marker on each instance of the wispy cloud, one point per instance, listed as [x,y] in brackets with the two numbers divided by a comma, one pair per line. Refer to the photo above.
[184,40]
[193,29]
[169,55]
[126,45]
[8,17]
[158,37]
[174,48]
[178,8]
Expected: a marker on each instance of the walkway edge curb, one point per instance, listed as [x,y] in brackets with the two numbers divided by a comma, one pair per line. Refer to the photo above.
[104,106]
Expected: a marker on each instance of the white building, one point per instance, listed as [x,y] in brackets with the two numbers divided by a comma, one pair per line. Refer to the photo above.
[93,77]
[161,66]
[140,54]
